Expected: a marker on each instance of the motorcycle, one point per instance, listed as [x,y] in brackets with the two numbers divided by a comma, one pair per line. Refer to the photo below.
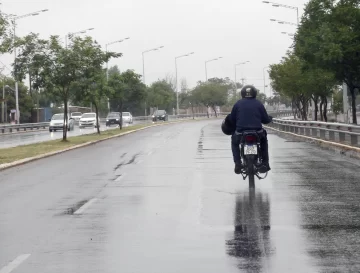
[250,153]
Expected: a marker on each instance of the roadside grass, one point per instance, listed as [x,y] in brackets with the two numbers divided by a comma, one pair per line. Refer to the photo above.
[8,155]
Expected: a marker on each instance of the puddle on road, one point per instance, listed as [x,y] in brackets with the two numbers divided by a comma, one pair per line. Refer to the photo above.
[250,241]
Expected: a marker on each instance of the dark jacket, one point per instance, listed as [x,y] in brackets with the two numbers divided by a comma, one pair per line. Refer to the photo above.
[249,114]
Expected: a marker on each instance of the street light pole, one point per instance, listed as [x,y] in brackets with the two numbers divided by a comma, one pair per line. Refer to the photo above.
[176,80]
[235,65]
[14,38]
[218,58]
[107,62]
[290,34]
[72,34]
[264,79]
[143,60]
[106,46]
[277,5]
[283,22]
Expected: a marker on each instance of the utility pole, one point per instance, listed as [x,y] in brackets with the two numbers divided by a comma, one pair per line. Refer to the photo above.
[243,81]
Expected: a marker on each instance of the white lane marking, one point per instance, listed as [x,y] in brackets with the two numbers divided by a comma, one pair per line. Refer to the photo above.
[149,153]
[139,161]
[15,263]
[85,206]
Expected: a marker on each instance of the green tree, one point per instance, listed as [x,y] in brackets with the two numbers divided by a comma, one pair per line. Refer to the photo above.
[189,99]
[5,33]
[63,67]
[337,106]
[92,89]
[262,97]
[211,94]
[25,102]
[161,95]
[328,38]
[30,62]
[289,80]
[127,91]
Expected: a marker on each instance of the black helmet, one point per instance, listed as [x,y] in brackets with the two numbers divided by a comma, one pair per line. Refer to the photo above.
[249,91]
[227,127]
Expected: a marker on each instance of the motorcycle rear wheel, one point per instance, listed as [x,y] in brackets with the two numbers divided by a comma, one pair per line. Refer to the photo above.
[251,172]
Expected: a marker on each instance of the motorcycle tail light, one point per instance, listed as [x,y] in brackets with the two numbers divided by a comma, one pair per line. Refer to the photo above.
[250,138]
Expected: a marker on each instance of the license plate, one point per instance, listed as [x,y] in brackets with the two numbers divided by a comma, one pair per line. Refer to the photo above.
[250,150]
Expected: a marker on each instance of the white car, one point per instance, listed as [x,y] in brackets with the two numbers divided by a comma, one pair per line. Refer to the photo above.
[57,123]
[88,120]
[127,117]
[76,116]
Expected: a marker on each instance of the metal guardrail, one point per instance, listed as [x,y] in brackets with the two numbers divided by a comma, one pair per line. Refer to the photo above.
[340,132]
[23,127]
[43,125]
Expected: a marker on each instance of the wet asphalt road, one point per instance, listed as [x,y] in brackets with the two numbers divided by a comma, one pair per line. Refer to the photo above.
[165,200]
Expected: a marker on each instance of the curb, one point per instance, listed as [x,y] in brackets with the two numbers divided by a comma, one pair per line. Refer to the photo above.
[34,158]
[339,148]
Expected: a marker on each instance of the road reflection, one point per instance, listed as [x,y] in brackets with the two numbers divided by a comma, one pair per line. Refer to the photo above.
[250,241]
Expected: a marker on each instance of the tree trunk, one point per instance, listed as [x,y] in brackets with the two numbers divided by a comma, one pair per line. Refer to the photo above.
[214,108]
[97,117]
[316,100]
[303,109]
[192,110]
[65,120]
[120,110]
[293,108]
[325,109]
[321,110]
[207,111]
[353,103]
[300,110]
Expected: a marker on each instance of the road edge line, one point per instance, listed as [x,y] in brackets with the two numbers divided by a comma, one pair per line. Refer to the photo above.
[15,263]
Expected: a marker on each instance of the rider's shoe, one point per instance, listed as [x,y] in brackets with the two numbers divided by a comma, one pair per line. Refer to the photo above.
[238,167]
[264,168]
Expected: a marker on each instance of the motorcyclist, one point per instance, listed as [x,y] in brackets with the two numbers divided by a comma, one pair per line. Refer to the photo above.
[249,113]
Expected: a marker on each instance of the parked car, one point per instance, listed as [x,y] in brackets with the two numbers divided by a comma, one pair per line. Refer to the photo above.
[57,123]
[113,118]
[76,116]
[88,120]
[127,117]
[160,115]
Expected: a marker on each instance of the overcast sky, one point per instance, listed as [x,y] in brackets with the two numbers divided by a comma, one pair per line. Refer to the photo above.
[237,30]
